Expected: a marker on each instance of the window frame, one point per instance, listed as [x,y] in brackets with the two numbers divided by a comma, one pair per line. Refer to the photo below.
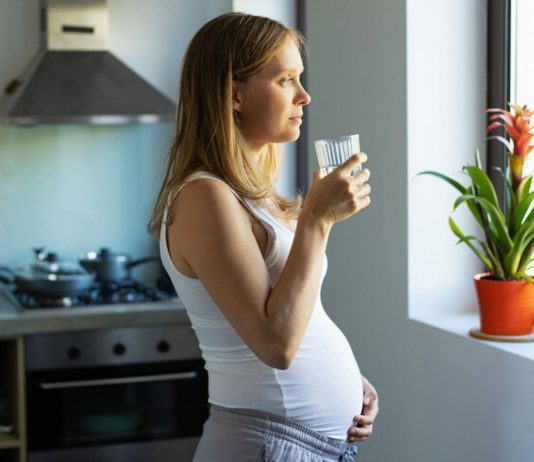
[498,95]
[302,143]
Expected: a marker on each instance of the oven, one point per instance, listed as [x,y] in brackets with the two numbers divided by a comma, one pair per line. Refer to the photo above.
[122,394]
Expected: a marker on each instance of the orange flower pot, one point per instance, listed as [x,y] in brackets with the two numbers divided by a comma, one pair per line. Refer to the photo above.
[506,307]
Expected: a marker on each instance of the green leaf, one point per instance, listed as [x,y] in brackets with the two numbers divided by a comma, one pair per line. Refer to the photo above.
[521,241]
[524,188]
[477,159]
[530,217]
[526,258]
[483,184]
[472,206]
[474,209]
[483,187]
[524,206]
[463,238]
[497,268]
[446,178]
[511,201]
[526,277]
[496,226]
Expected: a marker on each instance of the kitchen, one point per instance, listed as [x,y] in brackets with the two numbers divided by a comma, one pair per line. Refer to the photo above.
[121,374]
[447,387]
[77,192]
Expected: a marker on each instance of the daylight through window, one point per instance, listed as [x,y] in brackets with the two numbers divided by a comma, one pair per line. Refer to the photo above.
[522,62]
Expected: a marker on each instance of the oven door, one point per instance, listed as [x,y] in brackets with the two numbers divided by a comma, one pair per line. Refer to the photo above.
[113,413]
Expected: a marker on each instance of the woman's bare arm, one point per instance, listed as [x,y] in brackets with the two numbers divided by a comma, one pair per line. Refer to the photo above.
[212,231]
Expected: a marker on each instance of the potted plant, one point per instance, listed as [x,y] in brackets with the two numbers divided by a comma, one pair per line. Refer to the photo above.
[505,291]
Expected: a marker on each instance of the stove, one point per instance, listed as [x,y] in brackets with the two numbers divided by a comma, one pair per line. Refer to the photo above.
[127,291]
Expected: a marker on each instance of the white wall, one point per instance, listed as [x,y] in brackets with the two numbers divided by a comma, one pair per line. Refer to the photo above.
[396,72]
[152,37]
[281,10]
[443,133]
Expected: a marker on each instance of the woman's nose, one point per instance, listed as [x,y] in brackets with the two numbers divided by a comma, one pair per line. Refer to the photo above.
[303,97]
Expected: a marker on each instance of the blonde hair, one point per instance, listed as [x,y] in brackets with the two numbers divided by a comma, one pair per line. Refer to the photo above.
[230,47]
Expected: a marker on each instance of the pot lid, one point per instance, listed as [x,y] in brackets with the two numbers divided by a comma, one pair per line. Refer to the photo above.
[105,254]
[49,266]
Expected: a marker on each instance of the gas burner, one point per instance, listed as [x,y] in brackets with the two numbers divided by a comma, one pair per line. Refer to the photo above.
[29,300]
[59,302]
[125,291]
[105,293]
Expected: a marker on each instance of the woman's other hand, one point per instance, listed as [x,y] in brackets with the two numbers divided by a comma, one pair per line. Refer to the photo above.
[363,423]
[339,195]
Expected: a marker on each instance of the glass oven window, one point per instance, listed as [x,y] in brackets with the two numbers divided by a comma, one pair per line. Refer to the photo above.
[110,405]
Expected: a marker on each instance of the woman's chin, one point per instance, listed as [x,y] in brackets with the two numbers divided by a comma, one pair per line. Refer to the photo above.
[293,136]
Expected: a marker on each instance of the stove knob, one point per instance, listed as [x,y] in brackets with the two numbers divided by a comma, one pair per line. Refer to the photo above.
[163,346]
[119,349]
[74,352]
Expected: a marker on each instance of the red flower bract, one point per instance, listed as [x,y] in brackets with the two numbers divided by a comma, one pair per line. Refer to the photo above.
[520,127]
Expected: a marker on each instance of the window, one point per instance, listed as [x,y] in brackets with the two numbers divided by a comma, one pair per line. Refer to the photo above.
[510,68]
[521,62]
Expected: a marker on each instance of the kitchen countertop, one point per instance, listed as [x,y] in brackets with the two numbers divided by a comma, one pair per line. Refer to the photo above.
[15,322]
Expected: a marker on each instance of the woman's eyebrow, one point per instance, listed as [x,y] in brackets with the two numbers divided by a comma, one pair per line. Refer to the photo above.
[289,70]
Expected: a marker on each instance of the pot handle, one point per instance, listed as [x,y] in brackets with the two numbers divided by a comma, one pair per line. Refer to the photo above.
[142,260]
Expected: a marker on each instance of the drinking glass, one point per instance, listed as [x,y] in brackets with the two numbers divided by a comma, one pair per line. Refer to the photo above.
[332,152]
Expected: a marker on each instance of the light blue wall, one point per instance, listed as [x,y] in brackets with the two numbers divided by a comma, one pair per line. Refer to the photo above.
[73,188]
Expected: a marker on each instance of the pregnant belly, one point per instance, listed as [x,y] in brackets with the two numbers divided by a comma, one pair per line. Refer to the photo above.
[323,388]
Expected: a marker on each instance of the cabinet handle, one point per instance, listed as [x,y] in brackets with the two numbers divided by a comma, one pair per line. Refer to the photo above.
[118,381]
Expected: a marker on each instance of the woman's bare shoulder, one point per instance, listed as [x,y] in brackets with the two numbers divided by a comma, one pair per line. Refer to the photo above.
[204,195]
[209,208]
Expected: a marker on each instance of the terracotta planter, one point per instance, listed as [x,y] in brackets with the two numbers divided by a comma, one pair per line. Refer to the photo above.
[506,307]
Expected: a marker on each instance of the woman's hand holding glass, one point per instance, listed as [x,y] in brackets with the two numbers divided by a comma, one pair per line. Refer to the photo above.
[339,195]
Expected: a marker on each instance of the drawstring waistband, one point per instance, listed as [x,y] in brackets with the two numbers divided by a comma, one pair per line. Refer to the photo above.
[287,429]
[349,455]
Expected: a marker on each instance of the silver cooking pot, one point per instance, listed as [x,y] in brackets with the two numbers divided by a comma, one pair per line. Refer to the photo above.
[109,266]
[49,276]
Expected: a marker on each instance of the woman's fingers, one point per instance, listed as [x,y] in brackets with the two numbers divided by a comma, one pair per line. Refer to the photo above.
[363,424]
[362,195]
[359,433]
[352,162]
[362,429]
[363,190]
[364,420]
[339,195]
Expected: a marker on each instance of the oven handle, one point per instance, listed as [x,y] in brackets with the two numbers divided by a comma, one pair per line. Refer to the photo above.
[118,381]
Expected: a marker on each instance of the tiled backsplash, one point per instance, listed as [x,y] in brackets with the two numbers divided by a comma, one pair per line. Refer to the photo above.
[75,188]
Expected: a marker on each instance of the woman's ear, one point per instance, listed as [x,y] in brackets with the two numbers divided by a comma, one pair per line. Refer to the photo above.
[236,96]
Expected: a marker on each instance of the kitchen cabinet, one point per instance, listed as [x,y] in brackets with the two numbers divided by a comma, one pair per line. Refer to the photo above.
[13,446]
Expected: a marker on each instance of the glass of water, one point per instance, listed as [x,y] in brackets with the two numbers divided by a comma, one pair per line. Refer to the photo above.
[334,151]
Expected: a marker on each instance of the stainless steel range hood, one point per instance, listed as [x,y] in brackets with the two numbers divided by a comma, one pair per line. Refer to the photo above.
[75,80]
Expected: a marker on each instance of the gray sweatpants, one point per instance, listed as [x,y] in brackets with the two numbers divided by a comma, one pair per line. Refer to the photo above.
[242,435]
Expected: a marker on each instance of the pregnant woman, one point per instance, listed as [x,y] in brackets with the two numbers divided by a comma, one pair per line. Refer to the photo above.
[248,264]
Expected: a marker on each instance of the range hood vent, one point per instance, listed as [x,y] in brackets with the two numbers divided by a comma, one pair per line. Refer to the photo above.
[75,80]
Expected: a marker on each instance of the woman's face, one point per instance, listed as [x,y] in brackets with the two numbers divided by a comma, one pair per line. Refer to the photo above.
[269,103]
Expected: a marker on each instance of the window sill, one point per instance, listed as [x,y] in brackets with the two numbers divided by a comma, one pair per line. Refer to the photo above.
[462,323]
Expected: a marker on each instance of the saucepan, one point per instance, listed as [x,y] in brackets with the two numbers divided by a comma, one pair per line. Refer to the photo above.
[48,275]
[109,266]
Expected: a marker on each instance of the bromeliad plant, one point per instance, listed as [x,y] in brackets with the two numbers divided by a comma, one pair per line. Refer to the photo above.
[508,248]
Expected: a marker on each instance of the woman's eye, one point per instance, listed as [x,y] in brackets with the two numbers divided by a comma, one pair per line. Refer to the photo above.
[286,80]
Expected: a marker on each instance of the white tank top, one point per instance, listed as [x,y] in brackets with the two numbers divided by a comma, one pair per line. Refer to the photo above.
[322,389]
